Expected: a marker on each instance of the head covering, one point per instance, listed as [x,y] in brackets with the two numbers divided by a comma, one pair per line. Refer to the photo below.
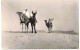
[25,9]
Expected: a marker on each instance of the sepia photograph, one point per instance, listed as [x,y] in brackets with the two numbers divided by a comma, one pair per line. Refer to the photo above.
[40,24]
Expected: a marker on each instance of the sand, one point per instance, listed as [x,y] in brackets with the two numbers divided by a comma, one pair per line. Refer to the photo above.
[40,40]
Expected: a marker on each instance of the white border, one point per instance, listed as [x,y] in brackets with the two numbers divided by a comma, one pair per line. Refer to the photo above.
[38,49]
[0,25]
[79,23]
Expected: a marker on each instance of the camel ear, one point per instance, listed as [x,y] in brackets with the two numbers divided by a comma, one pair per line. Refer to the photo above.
[36,12]
[53,18]
[32,12]
[45,20]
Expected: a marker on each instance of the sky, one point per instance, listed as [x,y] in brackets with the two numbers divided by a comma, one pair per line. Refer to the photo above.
[64,12]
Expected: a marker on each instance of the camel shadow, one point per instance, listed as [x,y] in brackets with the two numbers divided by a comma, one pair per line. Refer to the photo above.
[38,31]
[18,32]
[43,31]
[65,32]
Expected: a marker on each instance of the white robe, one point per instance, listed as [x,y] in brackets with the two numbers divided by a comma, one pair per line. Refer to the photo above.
[26,13]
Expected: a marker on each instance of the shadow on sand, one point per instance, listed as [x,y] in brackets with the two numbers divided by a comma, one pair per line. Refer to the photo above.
[42,31]
[65,32]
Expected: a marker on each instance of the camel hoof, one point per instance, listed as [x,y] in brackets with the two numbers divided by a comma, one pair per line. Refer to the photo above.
[35,32]
[48,32]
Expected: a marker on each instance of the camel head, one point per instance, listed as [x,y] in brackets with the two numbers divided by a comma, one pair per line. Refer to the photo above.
[45,21]
[34,13]
[51,19]
[19,13]
[20,16]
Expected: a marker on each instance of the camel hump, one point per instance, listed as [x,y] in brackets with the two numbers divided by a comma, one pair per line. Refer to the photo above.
[25,18]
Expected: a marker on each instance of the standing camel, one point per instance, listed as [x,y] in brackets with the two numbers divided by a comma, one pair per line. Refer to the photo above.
[49,24]
[23,20]
[33,21]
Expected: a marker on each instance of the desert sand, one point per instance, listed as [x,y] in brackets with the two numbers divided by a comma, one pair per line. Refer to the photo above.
[40,40]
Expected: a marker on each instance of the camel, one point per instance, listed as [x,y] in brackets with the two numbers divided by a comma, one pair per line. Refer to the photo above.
[23,20]
[49,24]
[33,21]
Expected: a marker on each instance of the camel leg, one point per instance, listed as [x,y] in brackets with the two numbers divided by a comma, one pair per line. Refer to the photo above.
[22,27]
[25,26]
[51,29]
[32,28]
[27,29]
[35,29]
[48,30]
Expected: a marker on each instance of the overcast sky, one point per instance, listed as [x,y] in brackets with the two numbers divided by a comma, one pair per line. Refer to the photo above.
[64,12]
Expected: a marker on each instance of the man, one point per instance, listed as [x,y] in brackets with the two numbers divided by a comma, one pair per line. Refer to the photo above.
[26,13]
